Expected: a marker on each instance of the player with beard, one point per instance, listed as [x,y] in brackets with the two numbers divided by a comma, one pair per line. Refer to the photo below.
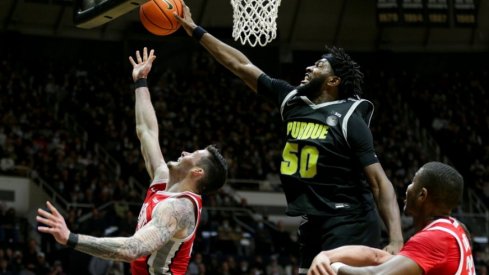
[170,214]
[328,155]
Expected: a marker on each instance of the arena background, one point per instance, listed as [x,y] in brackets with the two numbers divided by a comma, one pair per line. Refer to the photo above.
[67,123]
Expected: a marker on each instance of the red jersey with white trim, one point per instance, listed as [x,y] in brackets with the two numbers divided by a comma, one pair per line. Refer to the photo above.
[441,248]
[174,256]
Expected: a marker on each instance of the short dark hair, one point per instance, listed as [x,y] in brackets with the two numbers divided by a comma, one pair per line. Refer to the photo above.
[347,69]
[445,185]
[216,169]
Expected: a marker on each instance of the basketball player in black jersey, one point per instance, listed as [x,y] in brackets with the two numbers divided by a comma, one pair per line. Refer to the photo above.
[328,150]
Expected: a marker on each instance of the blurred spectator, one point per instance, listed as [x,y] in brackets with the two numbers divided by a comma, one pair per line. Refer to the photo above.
[98,266]
[4,267]
[193,266]
[57,269]
[273,268]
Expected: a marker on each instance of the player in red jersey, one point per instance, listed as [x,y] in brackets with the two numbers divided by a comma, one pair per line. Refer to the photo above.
[440,247]
[170,214]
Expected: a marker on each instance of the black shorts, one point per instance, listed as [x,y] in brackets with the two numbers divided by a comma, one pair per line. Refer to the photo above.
[323,233]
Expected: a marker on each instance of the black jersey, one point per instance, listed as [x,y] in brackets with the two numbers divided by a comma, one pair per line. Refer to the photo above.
[326,148]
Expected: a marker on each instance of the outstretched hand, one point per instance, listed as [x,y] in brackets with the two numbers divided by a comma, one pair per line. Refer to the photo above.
[142,67]
[186,19]
[54,224]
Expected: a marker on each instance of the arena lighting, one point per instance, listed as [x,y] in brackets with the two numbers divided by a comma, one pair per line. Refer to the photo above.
[93,13]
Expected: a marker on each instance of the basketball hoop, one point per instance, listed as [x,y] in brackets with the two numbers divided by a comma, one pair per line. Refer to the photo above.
[254,21]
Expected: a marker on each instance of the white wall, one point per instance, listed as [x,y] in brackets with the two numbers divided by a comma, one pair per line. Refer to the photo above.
[21,188]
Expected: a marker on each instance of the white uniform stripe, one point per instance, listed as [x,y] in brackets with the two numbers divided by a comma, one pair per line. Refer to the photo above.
[160,261]
[344,125]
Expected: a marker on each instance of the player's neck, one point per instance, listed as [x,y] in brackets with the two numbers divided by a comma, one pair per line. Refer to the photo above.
[182,186]
[439,213]
[324,97]
[422,222]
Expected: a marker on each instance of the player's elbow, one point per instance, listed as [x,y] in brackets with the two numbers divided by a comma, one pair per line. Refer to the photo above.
[238,66]
[123,256]
[143,131]
[128,258]
[133,250]
[140,130]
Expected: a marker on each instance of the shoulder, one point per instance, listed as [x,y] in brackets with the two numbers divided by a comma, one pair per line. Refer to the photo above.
[179,213]
[432,248]
[267,82]
[427,242]
[179,205]
[427,236]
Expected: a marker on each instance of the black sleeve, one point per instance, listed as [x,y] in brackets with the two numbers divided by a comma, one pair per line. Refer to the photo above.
[360,140]
[274,89]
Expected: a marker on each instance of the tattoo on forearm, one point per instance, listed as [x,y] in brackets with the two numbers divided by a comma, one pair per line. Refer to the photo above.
[118,249]
[175,218]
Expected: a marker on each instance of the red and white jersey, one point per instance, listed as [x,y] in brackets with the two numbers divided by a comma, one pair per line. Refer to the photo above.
[441,247]
[174,256]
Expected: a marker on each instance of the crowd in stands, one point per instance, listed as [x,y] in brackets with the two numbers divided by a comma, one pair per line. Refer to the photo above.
[456,103]
[202,104]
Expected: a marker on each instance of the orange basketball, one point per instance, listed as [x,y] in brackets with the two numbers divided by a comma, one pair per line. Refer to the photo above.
[157,16]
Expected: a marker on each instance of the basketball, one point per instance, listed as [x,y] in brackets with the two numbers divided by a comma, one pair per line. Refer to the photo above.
[157,16]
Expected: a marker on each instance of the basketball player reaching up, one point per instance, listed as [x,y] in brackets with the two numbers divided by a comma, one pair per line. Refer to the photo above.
[170,214]
[440,246]
[328,149]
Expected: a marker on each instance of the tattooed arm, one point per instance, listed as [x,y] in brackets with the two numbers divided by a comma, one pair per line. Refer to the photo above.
[172,218]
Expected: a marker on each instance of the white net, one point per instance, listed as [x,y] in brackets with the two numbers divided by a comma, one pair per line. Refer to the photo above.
[254,21]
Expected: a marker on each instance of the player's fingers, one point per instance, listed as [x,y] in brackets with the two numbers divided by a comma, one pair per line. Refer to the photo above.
[320,269]
[328,269]
[145,53]
[53,209]
[132,61]
[45,229]
[138,57]
[44,213]
[186,11]
[152,55]
[44,221]
[179,19]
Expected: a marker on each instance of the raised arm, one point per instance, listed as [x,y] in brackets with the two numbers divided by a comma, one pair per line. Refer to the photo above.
[229,57]
[361,140]
[171,218]
[385,197]
[146,122]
